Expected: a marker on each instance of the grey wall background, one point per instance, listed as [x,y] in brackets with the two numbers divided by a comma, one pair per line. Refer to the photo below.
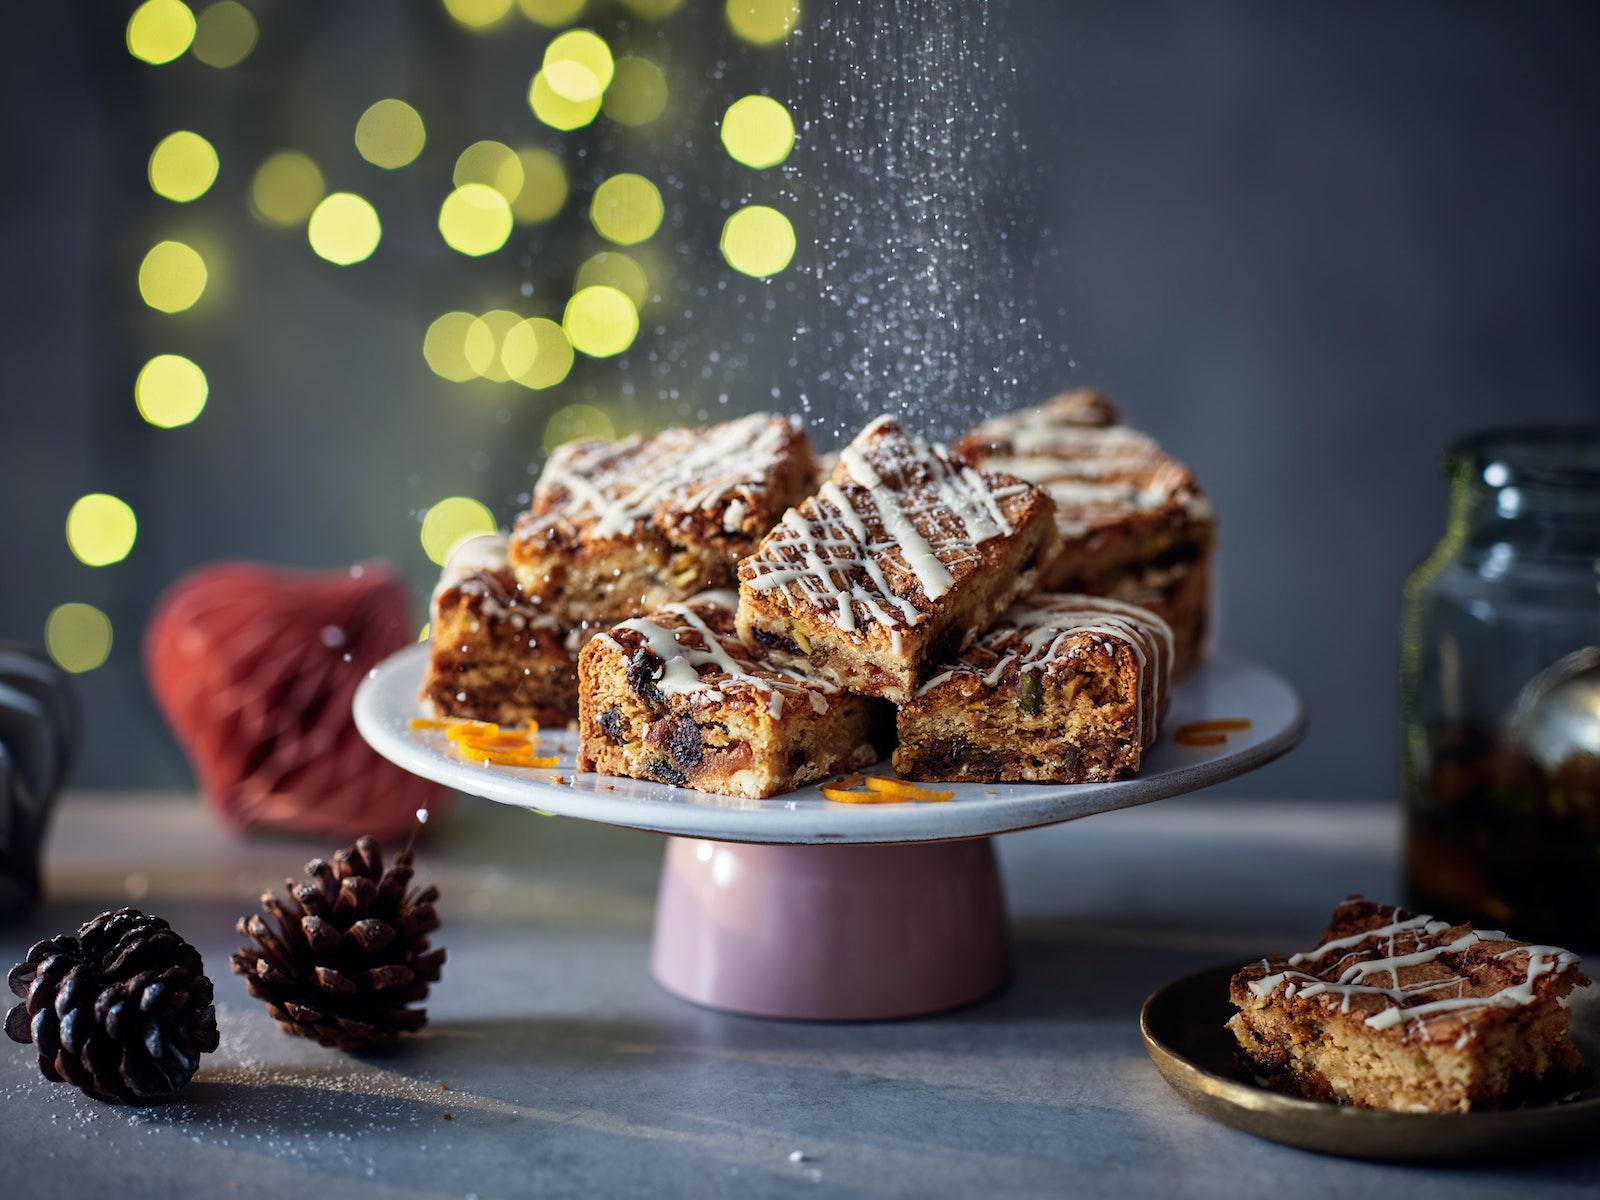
[1305,245]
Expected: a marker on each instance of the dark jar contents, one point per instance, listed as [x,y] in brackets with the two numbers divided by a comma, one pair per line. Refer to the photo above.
[1500,679]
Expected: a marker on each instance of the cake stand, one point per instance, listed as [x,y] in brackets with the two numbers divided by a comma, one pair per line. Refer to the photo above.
[803,908]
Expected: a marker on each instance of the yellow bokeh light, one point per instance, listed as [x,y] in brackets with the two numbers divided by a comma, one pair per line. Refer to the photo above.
[344,229]
[578,423]
[762,22]
[651,8]
[610,268]
[758,240]
[555,110]
[544,185]
[638,92]
[183,166]
[390,134]
[626,209]
[172,277]
[578,65]
[758,132]
[551,13]
[486,343]
[492,163]
[478,14]
[536,353]
[455,349]
[475,219]
[285,189]
[601,321]
[160,30]
[78,637]
[225,34]
[170,391]
[101,529]
[451,520]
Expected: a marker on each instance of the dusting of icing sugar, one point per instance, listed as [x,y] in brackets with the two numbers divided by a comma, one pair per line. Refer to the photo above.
[682,659]
[615,485]
[933,509]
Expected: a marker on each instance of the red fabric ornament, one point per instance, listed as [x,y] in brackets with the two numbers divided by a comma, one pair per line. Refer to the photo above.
[254,667]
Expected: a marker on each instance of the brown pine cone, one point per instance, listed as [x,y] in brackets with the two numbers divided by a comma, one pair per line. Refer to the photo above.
[123,1010]
[345,955]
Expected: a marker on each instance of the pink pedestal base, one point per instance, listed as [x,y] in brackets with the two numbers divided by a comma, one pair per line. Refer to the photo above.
[831,933]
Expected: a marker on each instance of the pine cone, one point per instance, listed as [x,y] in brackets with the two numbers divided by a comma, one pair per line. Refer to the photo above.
[347,952]
[123,1010]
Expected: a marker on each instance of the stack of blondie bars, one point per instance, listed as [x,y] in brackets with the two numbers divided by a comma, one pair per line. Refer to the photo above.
[716,615]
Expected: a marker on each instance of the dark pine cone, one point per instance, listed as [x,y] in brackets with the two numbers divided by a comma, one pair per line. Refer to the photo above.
[123,1010]
[341,959]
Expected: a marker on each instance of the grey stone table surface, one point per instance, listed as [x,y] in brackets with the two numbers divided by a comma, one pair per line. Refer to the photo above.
[553,1065]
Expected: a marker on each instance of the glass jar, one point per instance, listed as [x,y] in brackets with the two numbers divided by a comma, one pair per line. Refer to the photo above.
[1500,678]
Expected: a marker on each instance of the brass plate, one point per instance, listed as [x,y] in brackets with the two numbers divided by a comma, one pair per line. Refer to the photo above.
[1183,1027]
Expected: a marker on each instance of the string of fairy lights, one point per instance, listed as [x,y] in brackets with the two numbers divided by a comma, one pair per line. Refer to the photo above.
[494,188]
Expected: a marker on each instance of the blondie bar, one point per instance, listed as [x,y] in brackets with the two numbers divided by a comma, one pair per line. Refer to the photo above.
[905,555]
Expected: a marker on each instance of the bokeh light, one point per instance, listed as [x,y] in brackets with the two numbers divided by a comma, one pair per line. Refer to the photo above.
[160,30]
[458,346]
[536,353]
[172,277]
[651,8]
[78,637]
[170,391]
[451,520]
[551,13]
[285,189]
[758,132]
[600,321]
[183,166]
[101,529]
[612,268]
[638,92]
[544,185]
[478,14]
[344,229]
[578,423]
[225,34]
[390,134]
[555,110]
[475,219]
[578,65]
[494,164]
[758,240]
[626,209]
[762,22]
[497,323]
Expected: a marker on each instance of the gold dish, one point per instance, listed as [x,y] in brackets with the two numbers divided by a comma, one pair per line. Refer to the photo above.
[1183,1030]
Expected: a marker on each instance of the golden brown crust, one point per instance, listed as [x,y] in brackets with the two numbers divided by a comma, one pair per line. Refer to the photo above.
[1066,689]
[1396,1010]
[676,697]
[1133,521]
[616,528]
[905,554]
[494,656]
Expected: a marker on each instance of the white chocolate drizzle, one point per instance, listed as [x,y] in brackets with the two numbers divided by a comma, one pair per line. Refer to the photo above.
[1039,631]
[932,509]
[1364,959]
[608,488]
[478,567]
[687,646]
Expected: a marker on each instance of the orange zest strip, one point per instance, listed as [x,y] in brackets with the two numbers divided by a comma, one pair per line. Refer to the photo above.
[842,796]
[904,789]
[505,758]
[496,741]
[429,723]
[1184,738]
[459,730]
